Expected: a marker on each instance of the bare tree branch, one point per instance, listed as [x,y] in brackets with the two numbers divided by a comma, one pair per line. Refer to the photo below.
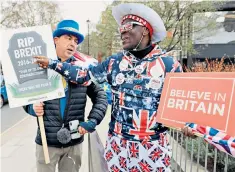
[29,13]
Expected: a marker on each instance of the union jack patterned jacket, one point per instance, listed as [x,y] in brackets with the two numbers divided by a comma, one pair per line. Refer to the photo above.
[136,90]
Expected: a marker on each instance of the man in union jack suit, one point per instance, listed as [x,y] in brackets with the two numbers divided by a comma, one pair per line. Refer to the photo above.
[136,141]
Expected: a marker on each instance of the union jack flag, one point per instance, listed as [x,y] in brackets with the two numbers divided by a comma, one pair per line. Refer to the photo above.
[162,139]
[218,139]
[80,56]
[166,160]
[160,169]
[122,162]
[115,147]
[123,143]
[155,154]
[146,144]
[80,73]
[142,123]
[134,150]
[84,60]
[108,155]
[114,168]
[134,169]
[126,27]
[121,98]
[145,166]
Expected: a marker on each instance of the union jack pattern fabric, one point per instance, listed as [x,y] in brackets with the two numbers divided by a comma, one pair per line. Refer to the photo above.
[133,156]
[136,87]
[220,140]
[136,140]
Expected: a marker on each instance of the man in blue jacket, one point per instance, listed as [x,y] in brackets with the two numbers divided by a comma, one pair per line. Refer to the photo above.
[64,117]
[136,141]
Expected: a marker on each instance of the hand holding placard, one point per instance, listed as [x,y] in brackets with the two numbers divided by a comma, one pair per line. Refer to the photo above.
[206,99]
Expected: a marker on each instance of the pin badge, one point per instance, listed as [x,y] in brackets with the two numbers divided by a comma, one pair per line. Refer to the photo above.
[123,65]
[155,83]
[120,78]
[139,69]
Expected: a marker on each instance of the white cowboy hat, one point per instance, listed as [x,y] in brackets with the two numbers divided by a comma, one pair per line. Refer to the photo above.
[144,12]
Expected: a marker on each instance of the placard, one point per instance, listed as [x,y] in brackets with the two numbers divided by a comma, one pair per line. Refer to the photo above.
[26,82]
[207,99]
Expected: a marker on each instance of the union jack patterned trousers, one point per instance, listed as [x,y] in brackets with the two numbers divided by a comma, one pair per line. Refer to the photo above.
[133,156]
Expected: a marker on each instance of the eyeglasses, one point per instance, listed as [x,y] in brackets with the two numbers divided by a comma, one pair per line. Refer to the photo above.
[128,26]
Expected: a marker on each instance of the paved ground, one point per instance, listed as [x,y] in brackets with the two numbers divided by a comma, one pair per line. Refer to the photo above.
[18,146]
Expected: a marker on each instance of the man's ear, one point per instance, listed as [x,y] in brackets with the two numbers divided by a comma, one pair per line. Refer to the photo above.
[56,39]
[146,31]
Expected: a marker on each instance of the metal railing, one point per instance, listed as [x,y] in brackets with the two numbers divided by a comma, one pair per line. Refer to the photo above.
[195,155]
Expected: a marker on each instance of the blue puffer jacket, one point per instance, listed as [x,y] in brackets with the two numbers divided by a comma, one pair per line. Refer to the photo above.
[76,98]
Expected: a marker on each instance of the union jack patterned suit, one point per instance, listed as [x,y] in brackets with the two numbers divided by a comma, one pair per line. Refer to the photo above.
[136,142]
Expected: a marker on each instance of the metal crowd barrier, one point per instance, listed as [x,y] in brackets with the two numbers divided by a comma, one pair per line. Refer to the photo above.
[195,155]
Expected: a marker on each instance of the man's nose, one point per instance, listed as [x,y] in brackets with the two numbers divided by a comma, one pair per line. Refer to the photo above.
[74,42]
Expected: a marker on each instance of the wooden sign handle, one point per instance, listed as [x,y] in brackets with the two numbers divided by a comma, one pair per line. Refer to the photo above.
[44,140]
